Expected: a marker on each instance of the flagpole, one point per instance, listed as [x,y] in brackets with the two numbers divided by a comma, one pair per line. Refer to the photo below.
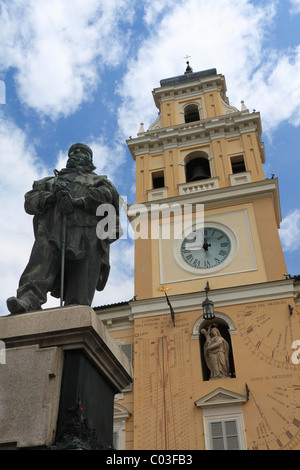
[164,289]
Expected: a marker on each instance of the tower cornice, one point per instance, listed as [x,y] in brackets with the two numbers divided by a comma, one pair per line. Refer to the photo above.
[190,85]
[219,197]
[206,130]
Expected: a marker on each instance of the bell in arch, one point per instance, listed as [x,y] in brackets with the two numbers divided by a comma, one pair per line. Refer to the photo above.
[197,169]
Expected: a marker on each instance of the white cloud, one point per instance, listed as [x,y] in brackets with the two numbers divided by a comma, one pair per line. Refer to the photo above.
[107,157]
[120,285]
[155,8]
[276,89]
[19,167]
[58,47]
[295,7]
[290,231]
[225,34]
[231,36]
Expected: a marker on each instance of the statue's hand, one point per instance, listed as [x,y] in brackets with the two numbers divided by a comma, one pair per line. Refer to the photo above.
[67,202]
[60,186]
[65,205]
[61,194]
[47,201]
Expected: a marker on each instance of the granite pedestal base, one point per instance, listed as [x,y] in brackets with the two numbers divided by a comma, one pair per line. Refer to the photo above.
[57,383]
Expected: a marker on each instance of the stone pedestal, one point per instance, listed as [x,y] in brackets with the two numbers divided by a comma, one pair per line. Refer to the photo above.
[57,385]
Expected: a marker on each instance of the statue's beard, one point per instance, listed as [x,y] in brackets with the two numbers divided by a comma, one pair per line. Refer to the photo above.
[80,163]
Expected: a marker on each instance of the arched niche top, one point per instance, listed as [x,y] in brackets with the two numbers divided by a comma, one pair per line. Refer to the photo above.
[195,154]
[220,317]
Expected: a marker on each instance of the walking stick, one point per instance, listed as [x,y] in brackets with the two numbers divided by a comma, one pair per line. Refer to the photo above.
[63,252]
[67,208]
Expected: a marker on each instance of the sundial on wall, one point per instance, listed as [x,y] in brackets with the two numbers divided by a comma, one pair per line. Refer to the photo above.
[270,333]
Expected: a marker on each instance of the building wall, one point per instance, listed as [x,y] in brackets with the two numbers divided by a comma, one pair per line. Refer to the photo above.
[168,375]
[174,403]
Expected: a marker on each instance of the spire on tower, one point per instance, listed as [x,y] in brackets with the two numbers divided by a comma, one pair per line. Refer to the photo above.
[188,68]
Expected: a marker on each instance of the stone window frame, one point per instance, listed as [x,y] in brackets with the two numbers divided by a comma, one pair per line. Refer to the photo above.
[223,405]
[121,414]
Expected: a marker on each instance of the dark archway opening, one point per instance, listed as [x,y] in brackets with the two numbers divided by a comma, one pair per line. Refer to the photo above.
[191,113]
[197,169]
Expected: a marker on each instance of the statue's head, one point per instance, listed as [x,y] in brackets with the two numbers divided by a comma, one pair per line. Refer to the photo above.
[80,156]
[215,332]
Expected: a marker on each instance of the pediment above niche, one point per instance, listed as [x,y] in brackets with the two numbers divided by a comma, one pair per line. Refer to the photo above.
[220,397]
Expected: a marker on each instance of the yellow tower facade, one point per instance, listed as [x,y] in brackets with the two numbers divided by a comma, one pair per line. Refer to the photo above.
[206,224]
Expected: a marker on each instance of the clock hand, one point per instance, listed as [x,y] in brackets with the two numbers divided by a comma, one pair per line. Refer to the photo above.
[197,248]
[206,245]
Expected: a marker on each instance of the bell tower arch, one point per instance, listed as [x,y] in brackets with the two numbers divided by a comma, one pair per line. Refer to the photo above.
[197,166]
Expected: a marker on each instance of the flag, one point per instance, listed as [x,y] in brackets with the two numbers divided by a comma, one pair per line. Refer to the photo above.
[171,309]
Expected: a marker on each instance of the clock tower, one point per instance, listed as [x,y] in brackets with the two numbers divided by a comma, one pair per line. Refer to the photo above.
[206,225]
[203,153]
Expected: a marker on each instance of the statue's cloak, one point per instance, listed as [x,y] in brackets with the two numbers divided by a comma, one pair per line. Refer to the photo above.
[81,240]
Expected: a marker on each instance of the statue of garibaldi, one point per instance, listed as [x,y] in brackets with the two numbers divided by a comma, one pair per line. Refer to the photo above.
[64,207]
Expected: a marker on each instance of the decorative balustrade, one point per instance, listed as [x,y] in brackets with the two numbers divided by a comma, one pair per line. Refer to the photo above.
[198,186]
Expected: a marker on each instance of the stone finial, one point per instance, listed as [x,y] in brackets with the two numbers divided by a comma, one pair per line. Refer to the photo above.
[244,107]
[142,130]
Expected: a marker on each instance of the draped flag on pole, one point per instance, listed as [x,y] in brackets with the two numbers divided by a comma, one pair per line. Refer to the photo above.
[171,309]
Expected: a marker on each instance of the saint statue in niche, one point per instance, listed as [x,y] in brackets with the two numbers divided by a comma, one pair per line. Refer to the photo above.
[216,353]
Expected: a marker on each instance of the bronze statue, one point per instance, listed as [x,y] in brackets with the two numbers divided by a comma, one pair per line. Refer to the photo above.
[216,353]
[68,259]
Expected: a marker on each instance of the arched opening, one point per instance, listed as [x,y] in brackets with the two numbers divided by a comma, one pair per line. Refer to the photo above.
[216,350]
[191,113]
[197,167]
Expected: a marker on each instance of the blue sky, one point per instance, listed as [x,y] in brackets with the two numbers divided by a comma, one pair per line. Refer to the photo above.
[84,71]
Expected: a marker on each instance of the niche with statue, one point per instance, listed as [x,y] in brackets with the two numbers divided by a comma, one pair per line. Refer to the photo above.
[216,350]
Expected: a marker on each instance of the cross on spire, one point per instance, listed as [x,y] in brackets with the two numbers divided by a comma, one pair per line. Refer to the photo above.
[188,68]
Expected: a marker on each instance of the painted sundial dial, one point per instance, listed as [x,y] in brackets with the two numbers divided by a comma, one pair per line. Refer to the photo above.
[270,334]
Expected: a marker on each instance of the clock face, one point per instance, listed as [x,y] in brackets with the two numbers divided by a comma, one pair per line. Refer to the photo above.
[205,249]
[270,334]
